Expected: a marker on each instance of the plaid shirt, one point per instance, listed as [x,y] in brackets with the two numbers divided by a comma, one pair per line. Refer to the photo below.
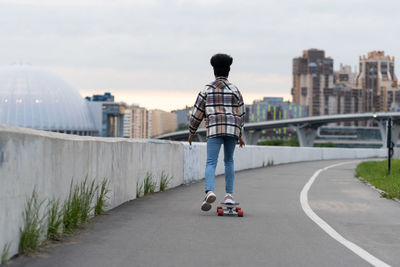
[221,104]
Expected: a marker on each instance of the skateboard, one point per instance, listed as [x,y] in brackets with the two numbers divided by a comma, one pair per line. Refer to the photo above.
[230,209]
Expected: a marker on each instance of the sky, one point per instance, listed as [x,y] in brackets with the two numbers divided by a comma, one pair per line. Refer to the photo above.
[156,53]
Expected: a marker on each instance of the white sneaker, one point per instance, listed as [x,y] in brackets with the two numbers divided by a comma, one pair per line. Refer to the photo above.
[210,198]
[229,199]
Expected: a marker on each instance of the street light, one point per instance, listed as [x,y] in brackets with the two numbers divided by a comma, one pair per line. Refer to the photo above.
[389,143]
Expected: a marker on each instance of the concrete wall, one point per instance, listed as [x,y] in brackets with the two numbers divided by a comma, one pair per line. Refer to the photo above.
[259,156]
[49,161]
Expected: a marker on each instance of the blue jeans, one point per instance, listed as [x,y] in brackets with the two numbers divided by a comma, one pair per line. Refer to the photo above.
[213,147]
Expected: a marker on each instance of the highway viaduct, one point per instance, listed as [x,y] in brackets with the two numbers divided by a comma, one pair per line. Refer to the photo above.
[306,127]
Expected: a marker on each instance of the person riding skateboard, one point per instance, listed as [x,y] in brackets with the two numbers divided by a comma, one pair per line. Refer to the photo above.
[220,103]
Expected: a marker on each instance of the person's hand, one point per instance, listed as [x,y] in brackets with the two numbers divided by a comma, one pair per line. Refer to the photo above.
[241,142]
[190,138]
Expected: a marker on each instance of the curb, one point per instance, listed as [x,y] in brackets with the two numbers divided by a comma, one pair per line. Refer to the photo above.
[381,192]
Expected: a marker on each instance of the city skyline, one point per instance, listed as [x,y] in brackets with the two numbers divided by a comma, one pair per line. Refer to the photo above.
[156,53]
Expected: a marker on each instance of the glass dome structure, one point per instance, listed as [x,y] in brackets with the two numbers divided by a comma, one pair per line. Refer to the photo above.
[34,98]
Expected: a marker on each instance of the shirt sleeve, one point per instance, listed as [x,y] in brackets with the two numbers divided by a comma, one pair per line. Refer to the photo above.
[242,112]
[198,112]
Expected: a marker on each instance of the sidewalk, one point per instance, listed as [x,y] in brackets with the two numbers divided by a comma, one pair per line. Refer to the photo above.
[168,229]
[358,212]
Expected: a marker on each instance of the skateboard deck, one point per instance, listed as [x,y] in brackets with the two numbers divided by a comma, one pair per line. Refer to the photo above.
[230,205]
[230,209]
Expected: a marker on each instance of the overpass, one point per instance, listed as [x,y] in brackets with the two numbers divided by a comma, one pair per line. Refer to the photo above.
[306,127]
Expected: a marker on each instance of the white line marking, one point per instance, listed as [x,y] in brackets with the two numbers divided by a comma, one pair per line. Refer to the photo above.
[327,228]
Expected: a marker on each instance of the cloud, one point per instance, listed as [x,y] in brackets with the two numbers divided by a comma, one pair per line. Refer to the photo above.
[80,3]
[166,44]
[168,90]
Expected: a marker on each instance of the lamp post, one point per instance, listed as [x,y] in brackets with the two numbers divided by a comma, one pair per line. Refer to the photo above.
[389,144]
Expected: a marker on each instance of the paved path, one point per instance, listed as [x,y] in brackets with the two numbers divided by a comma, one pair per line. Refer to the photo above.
[168,229]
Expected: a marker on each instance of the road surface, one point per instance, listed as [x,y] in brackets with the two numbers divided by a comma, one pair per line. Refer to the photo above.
[169,229]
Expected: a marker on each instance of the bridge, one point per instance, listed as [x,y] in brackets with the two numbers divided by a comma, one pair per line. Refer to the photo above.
[306,127]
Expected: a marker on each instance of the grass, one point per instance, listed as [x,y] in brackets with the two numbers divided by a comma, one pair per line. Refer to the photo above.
[86,195]
[84,201]
[71,209]
[102,196]
[269,163]
[79,207]
[328,144]
[139,189]
[5,253]
[376,174]
[54,220]
[33,229]
[149,185]
[294,141]
[164,181]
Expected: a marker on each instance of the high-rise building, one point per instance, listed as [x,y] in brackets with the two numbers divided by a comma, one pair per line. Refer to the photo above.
[313,82]
[106,97]
[127,132]
[348,94]
[346,76]
[378,82]
[162,122]
[275,108]
[107,115]
[136,122]
[183,116]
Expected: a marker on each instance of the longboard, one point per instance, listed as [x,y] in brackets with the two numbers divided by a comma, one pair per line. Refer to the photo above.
[230,209]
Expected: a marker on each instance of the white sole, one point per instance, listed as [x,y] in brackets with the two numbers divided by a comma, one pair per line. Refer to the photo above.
[205,206]
[211,199]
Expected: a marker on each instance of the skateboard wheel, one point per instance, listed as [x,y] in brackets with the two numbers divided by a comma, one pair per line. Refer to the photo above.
[220,212]
[219,208]
[237,209]
[240,213]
